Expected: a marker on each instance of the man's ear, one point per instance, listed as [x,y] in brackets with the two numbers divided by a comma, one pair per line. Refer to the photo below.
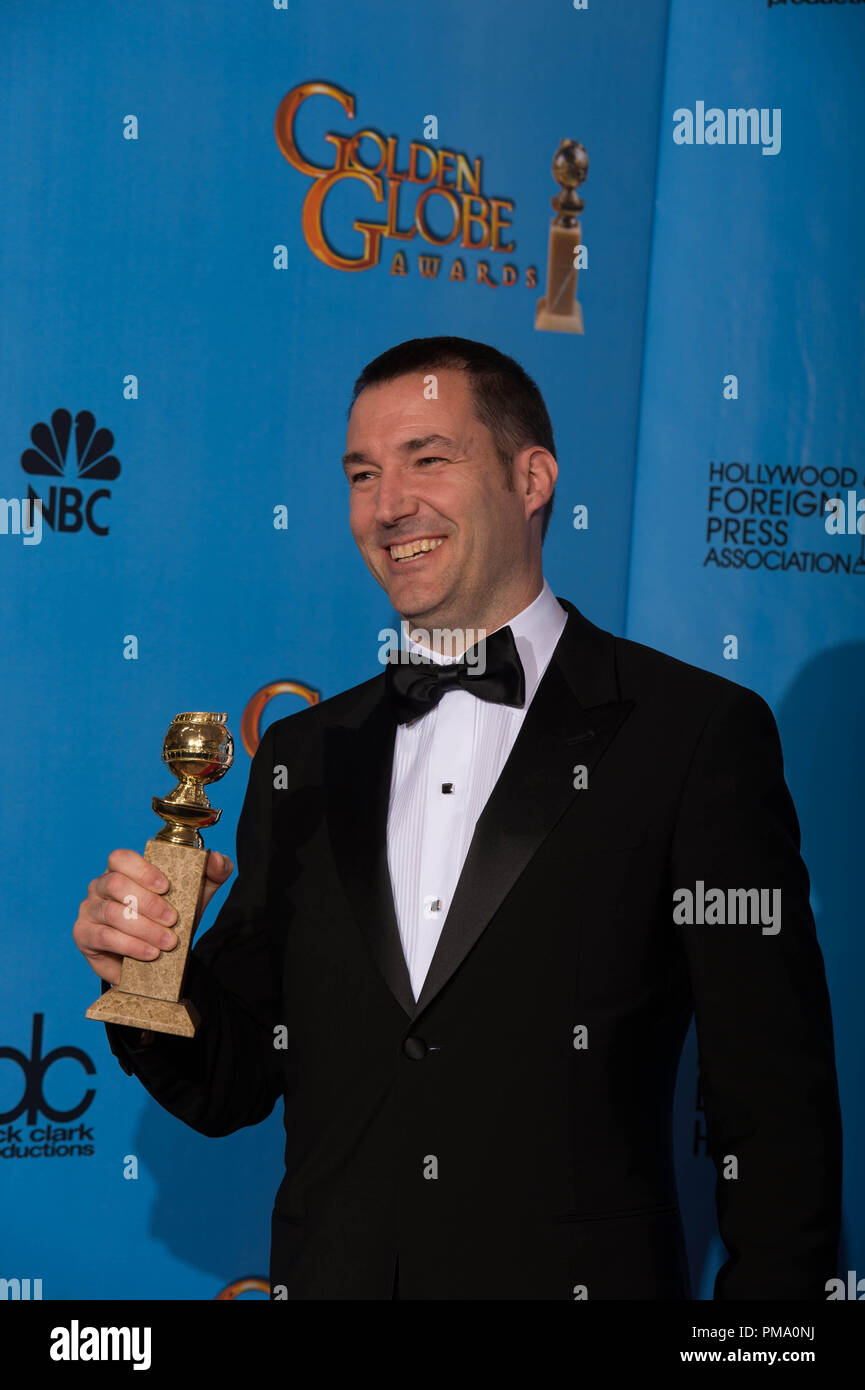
[538,472]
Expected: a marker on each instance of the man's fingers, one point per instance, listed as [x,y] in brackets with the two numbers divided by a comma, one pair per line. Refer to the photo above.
[106,968]
[137,900]
[93,938]
[125,914]
[104,913]
[102,916]
[135,866]
[219,867]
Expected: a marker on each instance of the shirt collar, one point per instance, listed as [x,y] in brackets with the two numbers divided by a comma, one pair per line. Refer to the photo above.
[536,628]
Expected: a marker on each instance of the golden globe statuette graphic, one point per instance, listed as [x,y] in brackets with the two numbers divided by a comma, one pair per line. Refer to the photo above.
[199,749]
[559,310]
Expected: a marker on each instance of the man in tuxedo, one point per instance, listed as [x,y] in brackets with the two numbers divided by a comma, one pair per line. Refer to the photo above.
[479,898]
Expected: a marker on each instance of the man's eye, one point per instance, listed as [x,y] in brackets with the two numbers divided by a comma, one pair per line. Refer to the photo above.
[431,460]
[355,477]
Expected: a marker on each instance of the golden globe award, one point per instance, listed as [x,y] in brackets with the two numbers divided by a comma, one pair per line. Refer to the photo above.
[199,749]
[559,310]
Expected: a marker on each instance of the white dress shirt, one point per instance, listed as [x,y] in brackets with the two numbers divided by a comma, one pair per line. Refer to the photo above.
[462,743]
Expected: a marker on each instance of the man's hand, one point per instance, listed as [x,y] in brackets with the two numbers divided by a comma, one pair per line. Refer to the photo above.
[124,913]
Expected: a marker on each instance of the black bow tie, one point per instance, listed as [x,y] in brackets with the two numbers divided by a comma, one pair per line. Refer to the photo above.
[494,673]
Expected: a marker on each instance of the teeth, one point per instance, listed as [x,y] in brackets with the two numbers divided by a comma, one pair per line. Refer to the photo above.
[405,552]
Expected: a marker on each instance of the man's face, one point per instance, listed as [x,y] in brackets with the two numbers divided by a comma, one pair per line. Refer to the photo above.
[425,473]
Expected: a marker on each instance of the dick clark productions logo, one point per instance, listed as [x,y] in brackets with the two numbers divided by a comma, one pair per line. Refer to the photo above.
[68,508]
[54,1139]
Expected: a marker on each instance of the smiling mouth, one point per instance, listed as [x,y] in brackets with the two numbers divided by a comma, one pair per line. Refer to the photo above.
[411,550]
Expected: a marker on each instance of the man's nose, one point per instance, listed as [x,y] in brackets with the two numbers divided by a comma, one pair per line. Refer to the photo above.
[393,499]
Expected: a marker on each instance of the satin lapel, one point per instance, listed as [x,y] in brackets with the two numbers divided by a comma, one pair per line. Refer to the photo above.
[577,703]
[358,763]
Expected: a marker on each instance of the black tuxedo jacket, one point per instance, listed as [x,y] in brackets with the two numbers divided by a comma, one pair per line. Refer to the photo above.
[508,1135]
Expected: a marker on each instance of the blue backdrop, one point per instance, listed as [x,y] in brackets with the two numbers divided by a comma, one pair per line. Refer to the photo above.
[168,289]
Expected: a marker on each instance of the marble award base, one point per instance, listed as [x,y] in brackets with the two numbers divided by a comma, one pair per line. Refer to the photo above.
[559,323]
[147,995]
[559,311]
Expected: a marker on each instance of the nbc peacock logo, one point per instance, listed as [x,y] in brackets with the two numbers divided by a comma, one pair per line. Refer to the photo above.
[69,508]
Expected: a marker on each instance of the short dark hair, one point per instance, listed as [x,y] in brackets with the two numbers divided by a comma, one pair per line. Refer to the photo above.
[505,397]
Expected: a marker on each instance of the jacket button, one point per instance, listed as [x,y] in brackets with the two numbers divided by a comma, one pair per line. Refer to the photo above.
[415,1048]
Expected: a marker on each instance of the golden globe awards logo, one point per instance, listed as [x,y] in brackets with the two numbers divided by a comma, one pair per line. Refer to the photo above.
[423,193]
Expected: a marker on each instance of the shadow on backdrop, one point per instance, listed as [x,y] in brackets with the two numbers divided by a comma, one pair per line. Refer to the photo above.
[819,719]
[214,1196]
